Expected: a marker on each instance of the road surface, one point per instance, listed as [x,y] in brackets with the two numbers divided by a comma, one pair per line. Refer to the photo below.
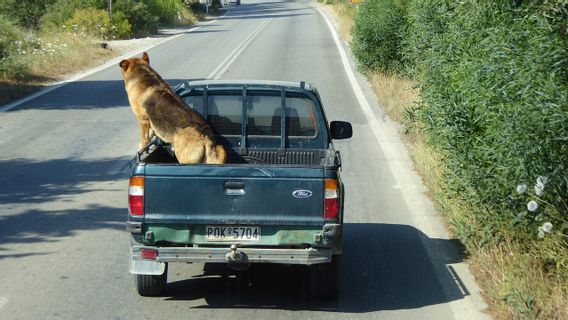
[63,181]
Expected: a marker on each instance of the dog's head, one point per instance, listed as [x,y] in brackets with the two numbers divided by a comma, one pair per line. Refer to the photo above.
[128,64]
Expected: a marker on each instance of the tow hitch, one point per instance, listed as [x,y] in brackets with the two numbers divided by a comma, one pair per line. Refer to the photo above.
[234,256]
[237,260]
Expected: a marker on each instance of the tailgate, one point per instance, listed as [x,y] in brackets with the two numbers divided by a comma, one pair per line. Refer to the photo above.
[238,194]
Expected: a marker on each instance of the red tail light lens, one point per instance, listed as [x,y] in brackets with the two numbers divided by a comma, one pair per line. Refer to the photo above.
[331,209]
[331,201]
[136,196]
[149,254]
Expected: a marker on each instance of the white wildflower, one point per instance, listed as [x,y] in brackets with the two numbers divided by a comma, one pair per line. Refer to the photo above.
[546,227]
[540,234]
[532,206]
[521,188]
[539,189]
[541,180]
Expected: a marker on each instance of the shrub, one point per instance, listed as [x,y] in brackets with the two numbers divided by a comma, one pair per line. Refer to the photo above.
[495,102]
[25,13]
[166,10]
[121,27]
[96,22]
[60,11]
[142,21]
[377,35]
[10,37]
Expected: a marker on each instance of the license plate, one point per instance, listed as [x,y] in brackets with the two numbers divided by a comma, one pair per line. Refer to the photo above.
[232,233]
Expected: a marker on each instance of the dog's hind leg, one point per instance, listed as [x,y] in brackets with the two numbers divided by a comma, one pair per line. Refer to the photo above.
[215,154]
[189,147]
[145,133]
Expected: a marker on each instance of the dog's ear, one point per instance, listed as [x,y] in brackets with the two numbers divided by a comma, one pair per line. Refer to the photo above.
[124,64]
[145,58]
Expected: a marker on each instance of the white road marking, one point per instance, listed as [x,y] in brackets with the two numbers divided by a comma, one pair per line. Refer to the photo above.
[419,207]
[231,57]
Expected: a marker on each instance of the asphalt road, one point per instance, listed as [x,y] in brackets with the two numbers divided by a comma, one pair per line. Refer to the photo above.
[63,180]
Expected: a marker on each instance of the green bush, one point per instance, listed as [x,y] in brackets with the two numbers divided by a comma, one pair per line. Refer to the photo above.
[10,42]
[378,31]
[121,27]
[377,35]
[25,13]
[97,22]
[143,22]
[494,95]
[166,10]
[60,11]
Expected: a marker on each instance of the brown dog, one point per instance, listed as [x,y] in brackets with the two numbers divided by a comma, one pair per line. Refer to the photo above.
[160,110]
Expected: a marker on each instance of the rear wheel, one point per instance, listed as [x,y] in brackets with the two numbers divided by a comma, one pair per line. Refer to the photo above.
[149,285]
[324,279]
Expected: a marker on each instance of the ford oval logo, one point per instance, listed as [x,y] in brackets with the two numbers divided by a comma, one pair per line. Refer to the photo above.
[302,194]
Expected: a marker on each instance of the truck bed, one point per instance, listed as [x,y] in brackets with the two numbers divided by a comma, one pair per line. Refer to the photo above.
[300,157]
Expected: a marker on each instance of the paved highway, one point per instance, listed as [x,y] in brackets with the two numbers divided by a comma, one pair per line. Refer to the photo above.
[63,180]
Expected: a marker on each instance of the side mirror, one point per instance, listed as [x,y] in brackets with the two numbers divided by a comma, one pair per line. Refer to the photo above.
[340,130]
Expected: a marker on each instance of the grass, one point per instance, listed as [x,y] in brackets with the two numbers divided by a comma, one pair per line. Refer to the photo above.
[517,283]
[48,58]
[77,53]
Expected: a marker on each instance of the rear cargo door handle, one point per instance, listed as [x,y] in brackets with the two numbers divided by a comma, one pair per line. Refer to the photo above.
[234,188]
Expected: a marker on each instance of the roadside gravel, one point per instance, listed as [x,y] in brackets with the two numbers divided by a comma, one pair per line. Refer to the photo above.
[124,47]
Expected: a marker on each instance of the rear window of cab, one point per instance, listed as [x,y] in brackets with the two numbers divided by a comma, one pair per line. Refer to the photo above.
[263,113]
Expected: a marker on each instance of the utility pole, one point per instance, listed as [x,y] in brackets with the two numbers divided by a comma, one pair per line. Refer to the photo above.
[110,9]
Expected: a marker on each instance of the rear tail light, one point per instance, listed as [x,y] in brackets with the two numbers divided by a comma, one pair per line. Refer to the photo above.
[331,201]
[149,254]
[136,196]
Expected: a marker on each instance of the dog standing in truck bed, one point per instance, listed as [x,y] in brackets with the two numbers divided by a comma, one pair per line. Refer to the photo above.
[160,110]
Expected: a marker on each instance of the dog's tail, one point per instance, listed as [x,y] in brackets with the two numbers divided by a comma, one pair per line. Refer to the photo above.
[215,154]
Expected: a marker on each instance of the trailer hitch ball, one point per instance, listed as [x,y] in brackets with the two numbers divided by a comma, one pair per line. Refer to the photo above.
[233,255]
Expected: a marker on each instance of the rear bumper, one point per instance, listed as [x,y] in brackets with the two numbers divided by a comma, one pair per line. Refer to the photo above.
[139,265]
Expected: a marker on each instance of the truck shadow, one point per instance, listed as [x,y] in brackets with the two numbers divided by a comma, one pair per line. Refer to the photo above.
[384,267]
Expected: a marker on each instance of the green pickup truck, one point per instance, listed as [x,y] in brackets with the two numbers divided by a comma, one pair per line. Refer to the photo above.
[278,199]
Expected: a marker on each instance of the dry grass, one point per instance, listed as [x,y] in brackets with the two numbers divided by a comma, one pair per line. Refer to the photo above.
[344,14]
[518,284]
[51,57]
[78,54]
[395,94]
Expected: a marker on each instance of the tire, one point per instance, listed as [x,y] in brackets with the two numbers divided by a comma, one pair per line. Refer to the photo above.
[324,279]
[151,286]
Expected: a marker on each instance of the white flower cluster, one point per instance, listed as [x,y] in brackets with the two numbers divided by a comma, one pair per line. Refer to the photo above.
[532,205]
[37,46]
[540,184]
[544,229]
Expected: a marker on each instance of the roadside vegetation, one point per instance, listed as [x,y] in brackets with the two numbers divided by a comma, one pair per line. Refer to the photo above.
[41,41]
[481,91]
